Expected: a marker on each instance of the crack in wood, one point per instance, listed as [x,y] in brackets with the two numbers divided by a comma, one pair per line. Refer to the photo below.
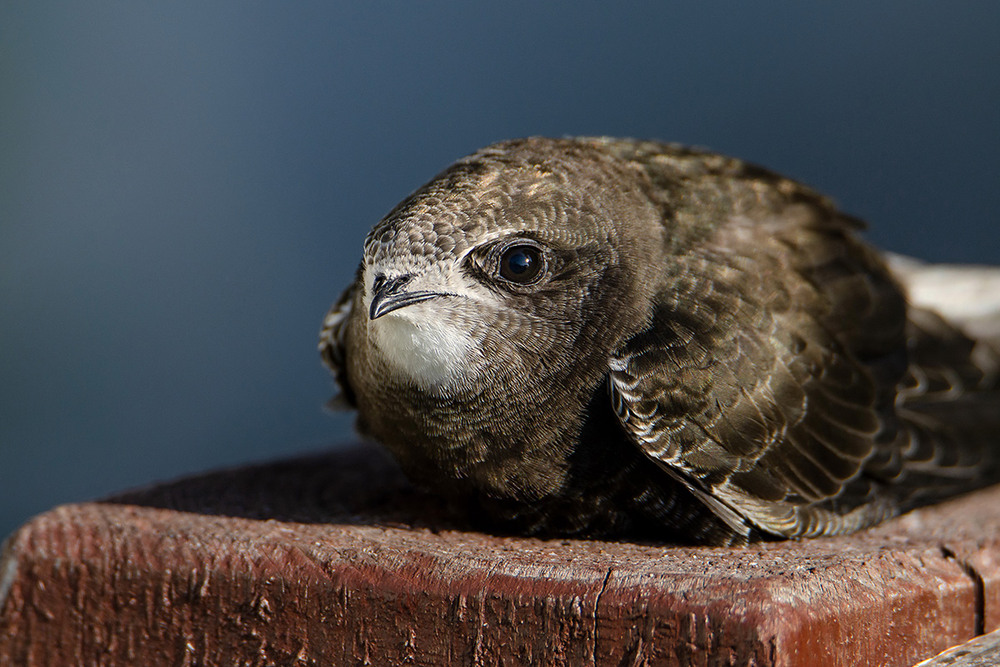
[979,587]
[597,611]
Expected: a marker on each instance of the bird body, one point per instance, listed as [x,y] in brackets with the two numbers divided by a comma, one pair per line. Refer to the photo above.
[603,337]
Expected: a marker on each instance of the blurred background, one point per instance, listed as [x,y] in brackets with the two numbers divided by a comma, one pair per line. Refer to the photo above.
[185,186]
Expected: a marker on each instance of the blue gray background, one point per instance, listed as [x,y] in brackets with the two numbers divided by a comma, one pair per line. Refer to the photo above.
[185,186]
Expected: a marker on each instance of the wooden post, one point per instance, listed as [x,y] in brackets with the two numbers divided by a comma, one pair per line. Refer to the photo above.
[334,560]
[983,651]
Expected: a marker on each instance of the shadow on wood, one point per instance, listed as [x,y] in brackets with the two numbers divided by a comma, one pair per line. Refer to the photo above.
[334,559]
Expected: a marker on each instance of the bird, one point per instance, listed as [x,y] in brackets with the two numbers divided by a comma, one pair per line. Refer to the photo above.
[608,338]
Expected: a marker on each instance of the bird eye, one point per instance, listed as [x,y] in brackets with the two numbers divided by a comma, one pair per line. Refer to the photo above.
[521,264]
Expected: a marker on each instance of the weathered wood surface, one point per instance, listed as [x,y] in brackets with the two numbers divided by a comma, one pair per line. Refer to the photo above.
[334,560]
[983,651]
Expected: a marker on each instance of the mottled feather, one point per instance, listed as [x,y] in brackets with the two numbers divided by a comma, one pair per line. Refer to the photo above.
[711,353]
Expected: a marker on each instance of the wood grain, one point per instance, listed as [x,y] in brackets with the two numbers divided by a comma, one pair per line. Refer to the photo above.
[333,559]
[983,651]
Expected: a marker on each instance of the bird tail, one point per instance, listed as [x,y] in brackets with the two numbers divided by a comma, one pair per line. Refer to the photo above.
[965,296]
[949,405]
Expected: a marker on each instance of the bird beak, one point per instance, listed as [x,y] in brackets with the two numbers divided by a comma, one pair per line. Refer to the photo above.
[388,295]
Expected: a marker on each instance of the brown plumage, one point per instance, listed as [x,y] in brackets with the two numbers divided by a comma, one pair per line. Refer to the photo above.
[604,337]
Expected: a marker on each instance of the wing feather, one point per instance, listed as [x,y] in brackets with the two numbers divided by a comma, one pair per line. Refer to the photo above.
[781,376]
[333,346]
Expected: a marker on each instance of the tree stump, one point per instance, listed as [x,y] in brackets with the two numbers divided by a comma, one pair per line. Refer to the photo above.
[335,560]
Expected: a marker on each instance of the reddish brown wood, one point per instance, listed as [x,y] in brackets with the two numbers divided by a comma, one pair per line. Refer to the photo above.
[334,560]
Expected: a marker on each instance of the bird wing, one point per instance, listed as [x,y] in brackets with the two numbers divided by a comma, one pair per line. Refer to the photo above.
[767,376]
[949,408]
[782,376]
[333,347]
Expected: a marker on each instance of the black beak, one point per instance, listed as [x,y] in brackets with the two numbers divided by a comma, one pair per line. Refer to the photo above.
[388,295]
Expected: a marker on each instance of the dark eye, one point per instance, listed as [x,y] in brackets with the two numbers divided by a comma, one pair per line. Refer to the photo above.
[521,264]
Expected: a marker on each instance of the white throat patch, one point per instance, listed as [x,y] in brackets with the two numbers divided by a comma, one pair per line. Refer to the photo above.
[430,351]
[420,341]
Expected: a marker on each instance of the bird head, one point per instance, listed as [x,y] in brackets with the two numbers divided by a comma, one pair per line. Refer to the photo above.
[513,262]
